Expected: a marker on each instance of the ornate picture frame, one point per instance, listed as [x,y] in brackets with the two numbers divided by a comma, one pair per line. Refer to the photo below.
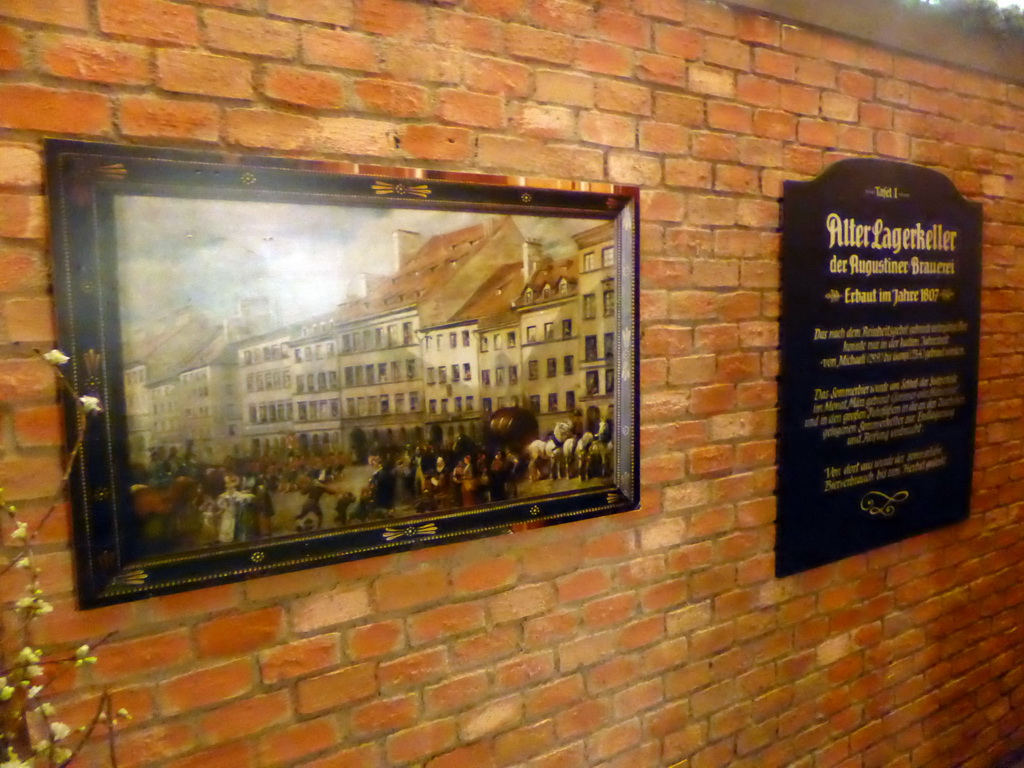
[305,362]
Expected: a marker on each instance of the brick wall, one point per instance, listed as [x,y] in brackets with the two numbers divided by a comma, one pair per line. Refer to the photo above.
[652,638]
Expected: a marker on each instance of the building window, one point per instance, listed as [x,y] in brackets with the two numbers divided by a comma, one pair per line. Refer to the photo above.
[590,347]
[396,370]
[511,339]
[609,302]
[532,370]
[252,414]
[483,343]
[570,400]
[552,367]
[549,331]
[433,406]
[589,261]
[609,346]
[370,374]
[469,403]
[382,372]
[298,355]
[486,402]
[499,376]
[553,401]
[608,256]
[593,385]
[407,333]
[458,405]
[531,334]
[300,384]
[485,377]
[567,365]
[528,295]
[563,287]
[303,410]
[567,329]
[535,403]
[497,341]
[589,306]
[444,405]
[430,375]
[442,375]
[609,381]
[455,372]
[467,372]
[513,374]
[410,368]
[453,339]
[414,401]
[465,338]
[350,406]
[399,402]
[385,404]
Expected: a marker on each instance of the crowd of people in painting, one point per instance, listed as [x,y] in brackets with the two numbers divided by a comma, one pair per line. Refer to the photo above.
[180,503]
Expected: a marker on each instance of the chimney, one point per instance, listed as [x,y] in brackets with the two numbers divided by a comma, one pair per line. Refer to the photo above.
[406,245]
[531,258]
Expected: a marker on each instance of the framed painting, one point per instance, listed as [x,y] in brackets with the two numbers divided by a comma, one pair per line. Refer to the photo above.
[305,362]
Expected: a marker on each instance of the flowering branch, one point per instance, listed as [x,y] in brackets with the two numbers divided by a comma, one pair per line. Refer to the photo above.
[30,736]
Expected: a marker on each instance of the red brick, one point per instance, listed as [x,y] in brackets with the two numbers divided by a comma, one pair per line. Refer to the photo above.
[385,715]
[466,108]
[101,62]
[434,142]
[158,20]
[666,70]
[468,32]
[12,48]
[20,166]
[239,633]
[502,78]
[516,746]
[456,693]
[485,576]
[169,118]
[394,19]
[324,11]
[566,88]
[286,746]
[249,716]
[299,658]
[241,33]
[29,477]
[62,13]
[444,622]
[26,319]
[378,639]
[56,111]
[335,689]
[538,44]
[338,48]
[204,73]
[263,129]
[618,25]
[203,687]
[39,426]
[604,58]
[325,609]
[303,87]
[157,744]
[414,668]
[421,742]
[392,98]
[236,755]
[158,651]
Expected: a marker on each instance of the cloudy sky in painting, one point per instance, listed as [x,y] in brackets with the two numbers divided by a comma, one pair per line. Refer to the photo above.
[211,253]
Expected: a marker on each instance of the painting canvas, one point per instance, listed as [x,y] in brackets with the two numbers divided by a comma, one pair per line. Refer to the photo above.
[304,362]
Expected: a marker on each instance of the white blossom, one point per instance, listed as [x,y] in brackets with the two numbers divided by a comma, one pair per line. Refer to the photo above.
[56,357]
[20,533]
[90,404]
[59,730]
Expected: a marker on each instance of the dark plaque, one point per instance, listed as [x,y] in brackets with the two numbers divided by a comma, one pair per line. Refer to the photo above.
[881,284]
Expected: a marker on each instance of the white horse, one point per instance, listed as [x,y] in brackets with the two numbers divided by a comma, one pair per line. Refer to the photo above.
[545,457]
[577,455]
